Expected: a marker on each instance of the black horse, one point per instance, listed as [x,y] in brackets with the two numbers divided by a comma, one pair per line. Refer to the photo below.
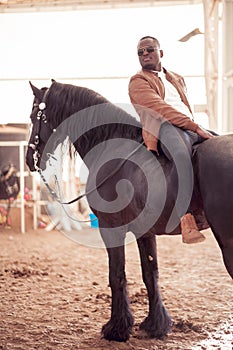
[131,189]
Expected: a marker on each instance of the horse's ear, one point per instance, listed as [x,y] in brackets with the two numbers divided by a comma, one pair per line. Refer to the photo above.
[36,92]
[53,81]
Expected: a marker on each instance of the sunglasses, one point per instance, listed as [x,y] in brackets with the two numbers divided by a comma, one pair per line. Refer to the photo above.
[148,49]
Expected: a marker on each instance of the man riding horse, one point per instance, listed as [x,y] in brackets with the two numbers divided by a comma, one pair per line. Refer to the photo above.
[159,97]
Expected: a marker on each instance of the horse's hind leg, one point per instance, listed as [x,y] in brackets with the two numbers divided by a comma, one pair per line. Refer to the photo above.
[226,246]
[158,323]
[119,326]
[227,252]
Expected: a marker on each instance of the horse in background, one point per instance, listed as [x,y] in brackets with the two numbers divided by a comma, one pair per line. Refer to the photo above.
[131,189]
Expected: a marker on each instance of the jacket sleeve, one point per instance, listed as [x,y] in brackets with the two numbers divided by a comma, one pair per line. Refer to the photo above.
[143,95]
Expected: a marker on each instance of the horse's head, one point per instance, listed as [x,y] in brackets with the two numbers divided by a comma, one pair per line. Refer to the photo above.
[41,130]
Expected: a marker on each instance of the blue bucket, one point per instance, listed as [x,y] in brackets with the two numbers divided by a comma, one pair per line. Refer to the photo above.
[94,221]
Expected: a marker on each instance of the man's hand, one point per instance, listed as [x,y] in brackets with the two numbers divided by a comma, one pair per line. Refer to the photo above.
[204,133]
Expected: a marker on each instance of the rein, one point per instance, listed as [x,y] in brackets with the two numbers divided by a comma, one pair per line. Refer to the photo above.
[54,194]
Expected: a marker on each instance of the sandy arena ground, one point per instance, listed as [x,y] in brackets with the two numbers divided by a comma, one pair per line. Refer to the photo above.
[55,294]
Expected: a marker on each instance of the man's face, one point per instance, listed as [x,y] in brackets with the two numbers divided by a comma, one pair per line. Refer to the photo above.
[149,54]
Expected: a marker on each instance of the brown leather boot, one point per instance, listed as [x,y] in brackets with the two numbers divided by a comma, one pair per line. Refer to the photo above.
[189,230]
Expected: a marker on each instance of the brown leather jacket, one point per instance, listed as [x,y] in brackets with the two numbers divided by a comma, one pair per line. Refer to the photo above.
[146,92]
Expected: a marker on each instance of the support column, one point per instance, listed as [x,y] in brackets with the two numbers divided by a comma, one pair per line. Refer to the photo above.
[227,96]
[211,20]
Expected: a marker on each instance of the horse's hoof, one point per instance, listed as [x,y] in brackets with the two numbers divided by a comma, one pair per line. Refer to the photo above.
[155,331]
[111,332]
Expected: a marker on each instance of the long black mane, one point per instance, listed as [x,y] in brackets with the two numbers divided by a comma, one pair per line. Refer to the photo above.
[64,100]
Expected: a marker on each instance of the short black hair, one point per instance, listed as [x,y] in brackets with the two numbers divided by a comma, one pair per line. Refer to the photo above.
[151,37]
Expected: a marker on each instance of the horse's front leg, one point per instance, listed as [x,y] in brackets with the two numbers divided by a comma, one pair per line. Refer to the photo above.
[158,323]
[119,326]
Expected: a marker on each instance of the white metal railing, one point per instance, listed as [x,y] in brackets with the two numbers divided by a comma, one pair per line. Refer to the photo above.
[22,174]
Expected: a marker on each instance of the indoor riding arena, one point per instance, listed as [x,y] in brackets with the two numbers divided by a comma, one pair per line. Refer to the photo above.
[68,211]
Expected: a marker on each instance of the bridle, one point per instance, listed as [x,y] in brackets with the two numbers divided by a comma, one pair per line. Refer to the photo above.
[42,118]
